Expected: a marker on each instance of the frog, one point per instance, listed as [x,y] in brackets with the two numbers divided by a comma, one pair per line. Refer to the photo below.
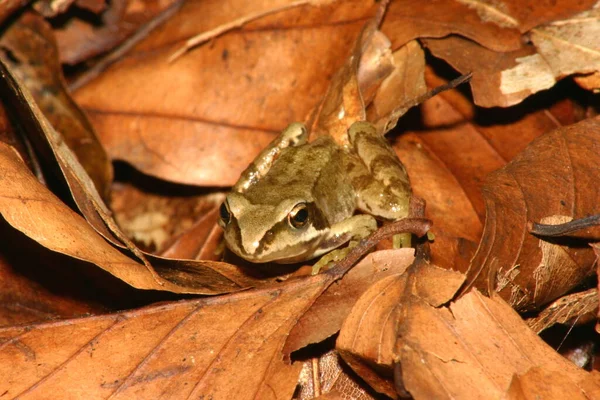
[299,200]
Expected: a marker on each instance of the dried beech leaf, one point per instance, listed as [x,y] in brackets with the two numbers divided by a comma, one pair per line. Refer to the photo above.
[562,48]
[400,89]
[527,271]
[525,14]
[448,162]
[334,380]
[326,316]
[31,290]
[499,79]
[31,52]
[576,308]
[201,242]
[539,383]
[411,19]
[166,220]
[193,99]
[7,8]
[373,84]
[51,8]
[227,347]
[223,348]
[79,39]
[354,83]
[368,335]
[179,276]
[444,354]
[51,144]
[570,46]
[51,223]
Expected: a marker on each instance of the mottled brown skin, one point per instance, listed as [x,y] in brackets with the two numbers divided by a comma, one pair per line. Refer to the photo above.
[263,216]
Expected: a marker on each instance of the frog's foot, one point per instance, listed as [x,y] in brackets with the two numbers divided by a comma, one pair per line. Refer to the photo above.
[383,187]
[332,257]
[402,241]
[354,228]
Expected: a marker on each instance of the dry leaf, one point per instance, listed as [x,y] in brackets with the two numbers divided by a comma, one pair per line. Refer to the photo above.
[552,180]
[576,308]
[7,8]
[167,220]
[448,162]
[525,14]
[224,347]
[538,383]
[499,79]
[411,19]
[570,46]
[325,317]
[562,48]
[327,378]
[400,89]
[32,290]
[355,84]
[475,346]
[227,347]
[367,338]
[30,50]
[79,39]
[276,71]
[52,224]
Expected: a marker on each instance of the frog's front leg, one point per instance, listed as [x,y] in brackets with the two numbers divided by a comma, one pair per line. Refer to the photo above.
[294,135]
[353,228]
[383,189]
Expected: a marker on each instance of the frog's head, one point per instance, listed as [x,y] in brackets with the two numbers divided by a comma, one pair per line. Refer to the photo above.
[287,232]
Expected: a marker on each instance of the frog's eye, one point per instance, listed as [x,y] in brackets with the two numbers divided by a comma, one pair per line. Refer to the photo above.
[225,214]
[299,216]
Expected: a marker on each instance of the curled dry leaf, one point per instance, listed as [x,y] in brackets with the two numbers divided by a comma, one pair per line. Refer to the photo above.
[476,345]
[499,79]
[368,335]
[355,83]
[576,308]
[52,224]
[552,180]
[30,50]
[173,275]
[327,378]
[560,48]
[404,84]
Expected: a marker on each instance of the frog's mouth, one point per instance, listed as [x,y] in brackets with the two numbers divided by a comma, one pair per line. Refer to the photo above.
[269,247]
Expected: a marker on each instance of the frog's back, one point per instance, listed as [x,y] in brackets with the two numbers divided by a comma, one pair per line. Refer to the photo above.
[295,173]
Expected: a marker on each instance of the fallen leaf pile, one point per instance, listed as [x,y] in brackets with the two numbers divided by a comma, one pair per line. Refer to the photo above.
[125,122]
